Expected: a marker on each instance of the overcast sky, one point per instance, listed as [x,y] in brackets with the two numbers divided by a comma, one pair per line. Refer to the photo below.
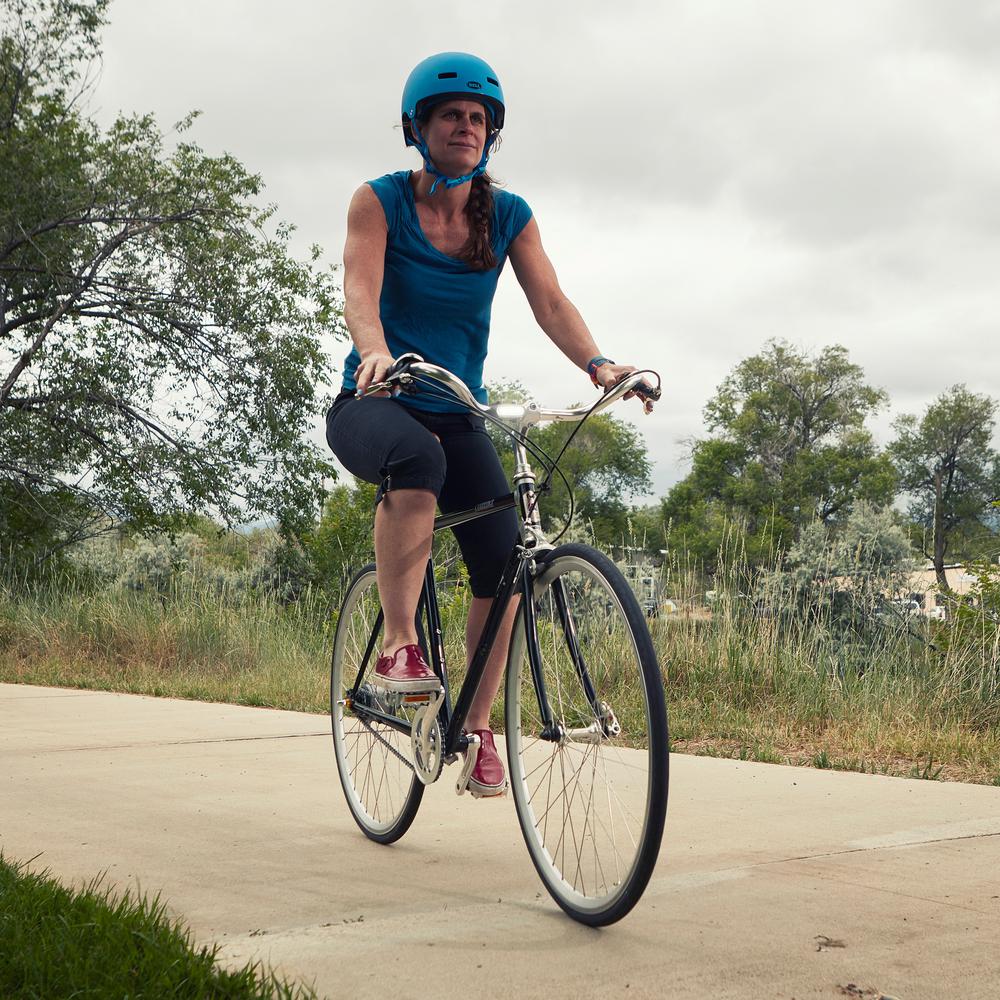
[706,174]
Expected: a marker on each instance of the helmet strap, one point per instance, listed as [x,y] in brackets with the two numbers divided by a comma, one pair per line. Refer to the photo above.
[439,178]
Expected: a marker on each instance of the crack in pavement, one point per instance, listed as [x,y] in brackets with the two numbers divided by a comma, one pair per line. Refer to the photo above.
[879,847]
[907,895]
[180,743]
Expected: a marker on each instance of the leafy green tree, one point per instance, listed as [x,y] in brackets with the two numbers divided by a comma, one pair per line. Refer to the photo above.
[973,542]
[342,542]
[606,465]
[790,446]
[159,346]
[948,468]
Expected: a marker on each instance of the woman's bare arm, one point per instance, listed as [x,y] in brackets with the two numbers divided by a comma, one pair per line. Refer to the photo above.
[364,262]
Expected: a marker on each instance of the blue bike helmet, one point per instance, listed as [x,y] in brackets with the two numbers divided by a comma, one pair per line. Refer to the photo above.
[450,76]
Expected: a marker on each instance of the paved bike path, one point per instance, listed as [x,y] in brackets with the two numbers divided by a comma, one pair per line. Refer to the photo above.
[773,881]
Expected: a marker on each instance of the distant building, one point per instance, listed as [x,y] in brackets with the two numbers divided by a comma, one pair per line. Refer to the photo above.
[923,589]
[646,581]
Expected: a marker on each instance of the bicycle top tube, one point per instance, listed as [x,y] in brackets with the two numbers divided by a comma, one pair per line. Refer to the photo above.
[517,416]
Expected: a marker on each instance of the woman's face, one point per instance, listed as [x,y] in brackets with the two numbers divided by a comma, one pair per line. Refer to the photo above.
[455,133]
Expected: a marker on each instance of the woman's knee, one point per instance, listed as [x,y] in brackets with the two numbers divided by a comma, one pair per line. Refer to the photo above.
[376,440]
[416,464]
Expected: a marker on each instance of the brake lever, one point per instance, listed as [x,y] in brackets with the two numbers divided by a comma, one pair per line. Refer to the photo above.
[394,386]
[645,391]
[396,379]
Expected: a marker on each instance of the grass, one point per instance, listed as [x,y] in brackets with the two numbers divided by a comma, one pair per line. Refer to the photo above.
[185,645]
[751,687]
[90,943]
[735,683]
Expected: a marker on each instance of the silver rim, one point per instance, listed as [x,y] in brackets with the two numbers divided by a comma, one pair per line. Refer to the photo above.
[373,759]
[584,806]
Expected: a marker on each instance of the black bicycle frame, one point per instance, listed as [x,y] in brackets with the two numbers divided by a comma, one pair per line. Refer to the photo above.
[516,577]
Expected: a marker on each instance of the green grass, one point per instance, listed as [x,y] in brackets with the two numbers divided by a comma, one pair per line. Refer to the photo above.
[90,943]
[737,686]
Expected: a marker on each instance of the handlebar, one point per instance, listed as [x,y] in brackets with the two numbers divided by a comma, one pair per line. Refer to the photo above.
[408,369]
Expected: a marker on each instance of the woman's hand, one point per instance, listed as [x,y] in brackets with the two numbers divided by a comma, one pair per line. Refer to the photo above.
[372,369]
[609,375]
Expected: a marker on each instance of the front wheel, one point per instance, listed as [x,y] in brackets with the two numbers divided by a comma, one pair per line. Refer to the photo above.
[373,758]
[589,783]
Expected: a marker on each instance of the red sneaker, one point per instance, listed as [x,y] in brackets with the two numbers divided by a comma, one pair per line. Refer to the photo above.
[406,671]
[488,777]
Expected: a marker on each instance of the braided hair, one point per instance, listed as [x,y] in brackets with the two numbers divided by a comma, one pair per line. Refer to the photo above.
[478,249]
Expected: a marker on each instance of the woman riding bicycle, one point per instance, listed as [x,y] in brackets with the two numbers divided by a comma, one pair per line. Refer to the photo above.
[423,254]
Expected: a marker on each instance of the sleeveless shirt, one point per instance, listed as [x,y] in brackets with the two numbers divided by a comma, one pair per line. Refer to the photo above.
[433,304]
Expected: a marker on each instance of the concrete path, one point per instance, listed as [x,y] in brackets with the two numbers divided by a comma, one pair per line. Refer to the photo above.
[773,882]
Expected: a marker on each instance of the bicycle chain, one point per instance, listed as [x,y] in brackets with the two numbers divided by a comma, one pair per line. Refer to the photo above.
[383,741]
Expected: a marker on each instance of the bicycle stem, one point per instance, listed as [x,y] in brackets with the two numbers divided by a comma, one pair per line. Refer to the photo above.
[524,486]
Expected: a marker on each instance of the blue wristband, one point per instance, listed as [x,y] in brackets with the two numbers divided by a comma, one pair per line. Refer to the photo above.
[594,363]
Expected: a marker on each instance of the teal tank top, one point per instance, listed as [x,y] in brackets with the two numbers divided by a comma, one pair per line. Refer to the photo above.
[434,304]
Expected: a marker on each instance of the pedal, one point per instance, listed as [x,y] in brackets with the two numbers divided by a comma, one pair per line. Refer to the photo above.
[471,756]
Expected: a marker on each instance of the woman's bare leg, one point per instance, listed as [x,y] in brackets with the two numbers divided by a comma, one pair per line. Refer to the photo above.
[404,529]
[479,712]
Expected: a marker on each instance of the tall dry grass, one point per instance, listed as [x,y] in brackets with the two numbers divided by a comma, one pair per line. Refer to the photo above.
[186,643]
[889,692]
[742,678]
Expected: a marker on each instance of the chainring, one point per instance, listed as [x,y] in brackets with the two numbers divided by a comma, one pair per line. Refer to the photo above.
[428,756]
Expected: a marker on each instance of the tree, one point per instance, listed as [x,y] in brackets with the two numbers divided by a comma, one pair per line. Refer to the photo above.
[790,447]
[342,542]
[606,466]
[948,468]
[159,346]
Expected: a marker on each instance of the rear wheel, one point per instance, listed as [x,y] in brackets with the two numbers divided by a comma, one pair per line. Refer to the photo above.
[373,759]
[591,788]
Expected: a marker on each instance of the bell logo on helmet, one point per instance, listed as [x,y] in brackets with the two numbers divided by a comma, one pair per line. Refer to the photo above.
[474,85]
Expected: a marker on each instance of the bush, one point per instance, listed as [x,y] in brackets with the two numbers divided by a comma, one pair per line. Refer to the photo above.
[844,580]
[975,623]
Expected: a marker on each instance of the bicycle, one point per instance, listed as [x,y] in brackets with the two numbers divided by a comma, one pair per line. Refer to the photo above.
[584,709]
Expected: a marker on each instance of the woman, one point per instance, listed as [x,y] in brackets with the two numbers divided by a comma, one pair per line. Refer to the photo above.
[423,254]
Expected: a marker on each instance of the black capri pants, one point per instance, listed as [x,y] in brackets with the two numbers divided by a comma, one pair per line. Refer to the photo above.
[382,441]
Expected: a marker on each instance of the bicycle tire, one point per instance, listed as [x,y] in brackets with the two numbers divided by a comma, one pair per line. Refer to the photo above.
[373,760]
[575,840]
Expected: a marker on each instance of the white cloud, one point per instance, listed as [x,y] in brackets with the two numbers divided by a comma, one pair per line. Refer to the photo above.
[706,174]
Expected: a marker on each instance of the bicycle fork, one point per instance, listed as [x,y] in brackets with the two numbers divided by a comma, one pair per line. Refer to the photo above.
[606,724]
